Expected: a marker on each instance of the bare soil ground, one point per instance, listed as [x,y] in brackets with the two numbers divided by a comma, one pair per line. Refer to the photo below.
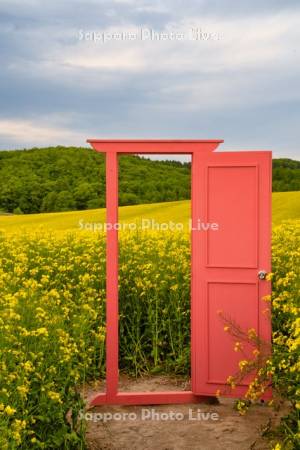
[230,431]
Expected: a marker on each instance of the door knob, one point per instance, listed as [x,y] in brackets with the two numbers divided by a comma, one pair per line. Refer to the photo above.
[262,274]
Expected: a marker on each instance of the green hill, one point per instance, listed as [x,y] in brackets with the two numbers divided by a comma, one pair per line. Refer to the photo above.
[63,179]
[70,178]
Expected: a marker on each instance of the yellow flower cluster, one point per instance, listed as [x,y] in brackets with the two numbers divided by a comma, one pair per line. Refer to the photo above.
[52,323]
[281,368]
[51,333]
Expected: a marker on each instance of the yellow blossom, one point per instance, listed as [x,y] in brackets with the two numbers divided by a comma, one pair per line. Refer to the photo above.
[9,410]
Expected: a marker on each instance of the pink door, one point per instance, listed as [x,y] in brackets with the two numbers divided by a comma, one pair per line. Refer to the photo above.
[232,190]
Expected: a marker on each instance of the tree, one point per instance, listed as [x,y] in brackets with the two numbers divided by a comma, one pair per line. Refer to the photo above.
[128,199]
[82,194]
[49,201]
[64,201]
[18,210]
[96,203]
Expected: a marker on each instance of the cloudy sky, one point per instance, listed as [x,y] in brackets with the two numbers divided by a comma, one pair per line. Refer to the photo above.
[238,81]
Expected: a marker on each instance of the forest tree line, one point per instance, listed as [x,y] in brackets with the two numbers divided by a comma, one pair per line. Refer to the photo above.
[73,178]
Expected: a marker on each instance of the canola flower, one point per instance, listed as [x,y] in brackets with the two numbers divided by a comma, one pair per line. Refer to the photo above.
[52,325]
[51,335]
[281,368]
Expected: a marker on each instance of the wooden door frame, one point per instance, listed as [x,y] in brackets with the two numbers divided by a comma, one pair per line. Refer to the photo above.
[112,148]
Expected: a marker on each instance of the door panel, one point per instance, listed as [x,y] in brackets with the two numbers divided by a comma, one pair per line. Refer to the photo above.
[233,190]
[239,300]
[232,204]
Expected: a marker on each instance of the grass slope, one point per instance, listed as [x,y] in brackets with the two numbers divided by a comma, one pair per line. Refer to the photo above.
[286,205]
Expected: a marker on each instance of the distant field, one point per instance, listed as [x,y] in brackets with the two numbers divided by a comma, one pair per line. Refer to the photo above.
[286,205]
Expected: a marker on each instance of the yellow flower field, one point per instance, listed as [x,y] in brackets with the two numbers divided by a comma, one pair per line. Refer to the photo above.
[285,205]
[52,320]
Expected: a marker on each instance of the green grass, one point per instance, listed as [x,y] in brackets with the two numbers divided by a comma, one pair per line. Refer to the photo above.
[286,205]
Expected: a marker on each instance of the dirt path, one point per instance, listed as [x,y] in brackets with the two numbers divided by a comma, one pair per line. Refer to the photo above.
[178,427]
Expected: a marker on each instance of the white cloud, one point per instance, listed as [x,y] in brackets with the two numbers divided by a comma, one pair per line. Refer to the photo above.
[249,48]
[27,133]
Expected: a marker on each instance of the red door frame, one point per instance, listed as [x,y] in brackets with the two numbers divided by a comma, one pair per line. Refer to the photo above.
[112,148]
